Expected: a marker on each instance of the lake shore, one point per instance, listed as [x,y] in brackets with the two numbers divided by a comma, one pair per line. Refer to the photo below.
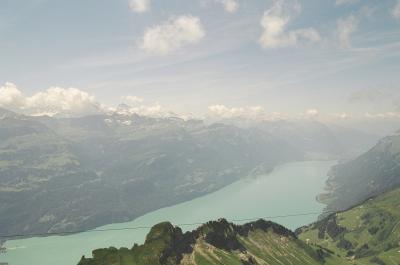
[266,196]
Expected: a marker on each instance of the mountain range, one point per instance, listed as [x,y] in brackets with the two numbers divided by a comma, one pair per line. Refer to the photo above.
[359,226]
[69,174]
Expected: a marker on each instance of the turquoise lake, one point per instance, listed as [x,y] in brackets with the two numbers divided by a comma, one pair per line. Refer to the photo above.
[289,189]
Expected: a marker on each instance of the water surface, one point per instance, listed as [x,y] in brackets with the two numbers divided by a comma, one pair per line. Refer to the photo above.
[289,189]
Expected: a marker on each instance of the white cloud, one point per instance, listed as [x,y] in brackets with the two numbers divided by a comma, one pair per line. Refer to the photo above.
[55,100]
[312,113]
[345,28]
[385,115]
[275,21]
[172,35]
[139,6]
[250,113]
[11,97]
[222,111]
[345,2]
[230,6]
[134,99]
[64,101]
[153,110]
[396,10]
[343,116]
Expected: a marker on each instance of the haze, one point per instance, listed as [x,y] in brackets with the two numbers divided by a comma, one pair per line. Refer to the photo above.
[335,61]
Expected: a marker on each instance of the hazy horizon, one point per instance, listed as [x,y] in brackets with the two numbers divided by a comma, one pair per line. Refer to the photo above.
[280,59]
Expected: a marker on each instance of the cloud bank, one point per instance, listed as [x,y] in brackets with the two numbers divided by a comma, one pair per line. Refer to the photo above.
[154,110]
[312,113]
[384,115]
[171,35]
[139,6]
[53,101]
[224,112]
[275,21]
[134,99]
[72,102]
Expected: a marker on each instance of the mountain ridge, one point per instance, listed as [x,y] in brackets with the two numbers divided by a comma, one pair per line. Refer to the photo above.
[213,241]
[366,234]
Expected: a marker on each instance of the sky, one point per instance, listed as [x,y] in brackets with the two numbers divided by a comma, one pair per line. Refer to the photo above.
[337,59]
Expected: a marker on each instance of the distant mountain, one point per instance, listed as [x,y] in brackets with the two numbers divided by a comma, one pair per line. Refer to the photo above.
[371,174]
[320,140]
[215,243]
[367,234]
[67,174]
[70,174]
[39,174]
[316,139]
[8,114]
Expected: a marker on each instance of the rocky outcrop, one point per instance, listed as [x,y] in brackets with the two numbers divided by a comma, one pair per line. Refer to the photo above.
[168,245]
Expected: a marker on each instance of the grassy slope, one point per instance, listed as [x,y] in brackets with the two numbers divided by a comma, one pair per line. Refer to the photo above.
[368,233]
[216,243]
[364,235]
[264,248]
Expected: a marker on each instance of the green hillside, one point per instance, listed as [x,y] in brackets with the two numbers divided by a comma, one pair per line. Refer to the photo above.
[366,234]
[217,242]
[370,174]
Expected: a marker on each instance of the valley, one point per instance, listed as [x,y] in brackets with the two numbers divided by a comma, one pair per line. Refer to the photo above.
[274,194]
[201,132]
[117,166]
[62,175]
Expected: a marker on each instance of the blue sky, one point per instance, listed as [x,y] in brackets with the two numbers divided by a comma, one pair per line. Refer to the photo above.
[335,58]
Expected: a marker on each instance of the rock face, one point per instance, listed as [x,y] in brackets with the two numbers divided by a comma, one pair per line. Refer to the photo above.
[216,242]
